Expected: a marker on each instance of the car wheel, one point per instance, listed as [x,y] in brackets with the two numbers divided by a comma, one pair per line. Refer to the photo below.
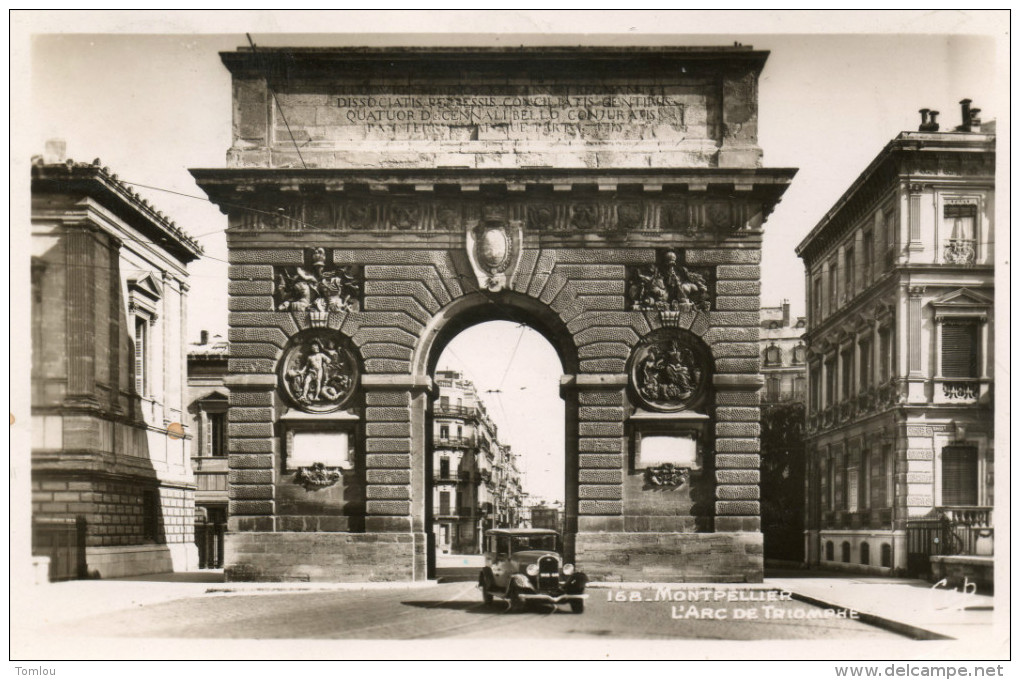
[486,590]
[577,606]
[514,596]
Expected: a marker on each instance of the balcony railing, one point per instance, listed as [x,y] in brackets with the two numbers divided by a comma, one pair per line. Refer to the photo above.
[454,442]
[960,390]
[960,251]
[457,411]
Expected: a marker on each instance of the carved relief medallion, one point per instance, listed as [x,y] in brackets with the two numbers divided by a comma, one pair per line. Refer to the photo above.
[494,246]
[669,370]
[318,373]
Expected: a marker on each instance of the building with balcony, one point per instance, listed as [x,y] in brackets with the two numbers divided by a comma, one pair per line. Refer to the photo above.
[110,450]
[207,414]
[900,292]
[783,355]
[475,480]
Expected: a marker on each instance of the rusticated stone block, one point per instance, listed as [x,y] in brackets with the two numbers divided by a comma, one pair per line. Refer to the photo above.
[611,396]
[416,290]
[600,476]
[746,365]
[595,334]
[252,492]
[262,445]
[389,524]
[609,492]
[250,462]
[388,507]
[252,366]
[553,285]
[603,365]
[740,303]
[250,272]
[388,476]
[731,445]
[250,476]
[254,350]
[723,256]
[597,303]
[735,349]
[387,366]
[406,305]
[393,414]
[244,507]
[388,445]
[723,287]
[245,398]
[391,320]
[735,398]
[250,430]
[399,461]
[384,335]
[388,429]
[380,492]
[251,287]
[750,319]
[400,398]
[596,272]
[246,334]
[731,334]
[738,461]
[737,429]
[250,303]
[734,492]
[594,413]
[738,414]
[739,272]
[250,415]
[282,320]
[604,350]
[600,429]
[600,461]
[266,256]
[600,445]
[737,476]
[737,508]
[600,507]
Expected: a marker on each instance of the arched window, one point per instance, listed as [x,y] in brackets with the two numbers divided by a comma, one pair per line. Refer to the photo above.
[845,550]
[830,551]
[773,355]
[886,555]
[865,553]
[799,354]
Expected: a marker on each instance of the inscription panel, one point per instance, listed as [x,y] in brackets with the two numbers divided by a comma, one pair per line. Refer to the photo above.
[335,113]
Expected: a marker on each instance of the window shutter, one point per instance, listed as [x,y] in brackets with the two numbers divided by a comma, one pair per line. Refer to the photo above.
[959,475]
[140,356]
[959,350]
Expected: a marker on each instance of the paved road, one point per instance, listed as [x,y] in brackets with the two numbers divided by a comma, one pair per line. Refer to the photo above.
[455,610]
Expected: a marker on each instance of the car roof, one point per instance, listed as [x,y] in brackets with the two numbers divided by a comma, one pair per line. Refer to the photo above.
[522,532]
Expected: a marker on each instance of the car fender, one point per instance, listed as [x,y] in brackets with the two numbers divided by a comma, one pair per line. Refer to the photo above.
[522,582]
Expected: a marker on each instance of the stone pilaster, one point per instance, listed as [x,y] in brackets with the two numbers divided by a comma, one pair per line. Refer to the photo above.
[252,455]
[79,247]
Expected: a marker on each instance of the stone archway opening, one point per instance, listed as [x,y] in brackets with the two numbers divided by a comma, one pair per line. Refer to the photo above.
[496,428]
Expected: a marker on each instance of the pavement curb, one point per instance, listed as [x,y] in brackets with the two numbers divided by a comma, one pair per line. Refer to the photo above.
[242,587]
[910,630]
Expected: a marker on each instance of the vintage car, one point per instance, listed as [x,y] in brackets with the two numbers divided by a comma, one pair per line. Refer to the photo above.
[524,566]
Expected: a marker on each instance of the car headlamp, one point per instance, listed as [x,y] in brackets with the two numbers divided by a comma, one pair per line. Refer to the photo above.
[532,570]
[568,569]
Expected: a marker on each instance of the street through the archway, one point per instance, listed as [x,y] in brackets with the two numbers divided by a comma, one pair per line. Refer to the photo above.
[455,610]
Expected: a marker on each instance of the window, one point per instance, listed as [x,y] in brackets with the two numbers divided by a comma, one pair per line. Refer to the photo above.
[849,265]
[817,298]
[150,515]
[959,475]
[853,487]
[865,350]
[773,356]
[444,403]
[816,381]
[799,388]
[444,467]
[868,246]
[217,444]
[823,474]
[865,499]
[773,388]
[444,502]
[889,464]
[830,552]
[833,288]
[847,366]
[460,431]
[830,382]
[845,551]
[865,553]
[960,350]
[141,356]
[884,354]
[444,431]
[799,354]
[958,222]
[886,555]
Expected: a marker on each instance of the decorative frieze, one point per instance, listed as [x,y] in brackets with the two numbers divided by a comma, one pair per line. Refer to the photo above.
[703,218]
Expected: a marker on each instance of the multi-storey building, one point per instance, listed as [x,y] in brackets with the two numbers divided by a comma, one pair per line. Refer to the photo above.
[900,330]
[208,399]
[783,355]
[476,482]
[109,451]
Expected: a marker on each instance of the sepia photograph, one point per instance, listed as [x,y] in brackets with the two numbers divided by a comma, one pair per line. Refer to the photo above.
[512,335]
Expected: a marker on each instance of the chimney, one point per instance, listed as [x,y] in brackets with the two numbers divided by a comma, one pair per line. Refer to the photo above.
[786,313]
[56,151]
[204,335]
[966,116]
[928,124]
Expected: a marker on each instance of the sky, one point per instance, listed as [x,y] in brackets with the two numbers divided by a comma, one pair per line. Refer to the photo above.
[147,94]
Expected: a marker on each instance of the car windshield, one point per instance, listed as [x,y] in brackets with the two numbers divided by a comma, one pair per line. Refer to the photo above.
[539,542]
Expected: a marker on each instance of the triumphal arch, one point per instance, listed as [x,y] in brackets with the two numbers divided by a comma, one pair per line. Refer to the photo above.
[380,201]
